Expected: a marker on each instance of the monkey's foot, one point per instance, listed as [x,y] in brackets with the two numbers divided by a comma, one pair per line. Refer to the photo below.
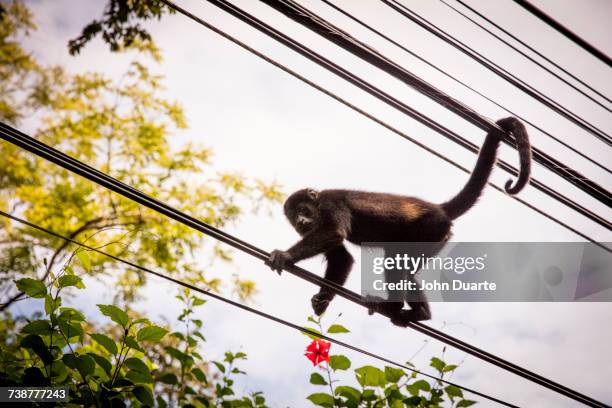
[320,302]
[373,303]
[404,317]
[377,304]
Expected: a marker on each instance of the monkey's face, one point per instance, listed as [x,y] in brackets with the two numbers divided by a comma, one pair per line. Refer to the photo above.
[302,210]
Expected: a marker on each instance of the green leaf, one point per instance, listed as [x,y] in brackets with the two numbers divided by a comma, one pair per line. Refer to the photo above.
[311,335]
[437,364]
[453,392]
[70,314]
[70,329]
[139,377]
[393,374]
[353,395]
[321,399]
[413,401]
[220,366]
[136,364]
[317,379]
[199,374]
[151,333]
[449,367]
[51,304]
[339,362]
[102,362]
[32,287]
[168,378]
[336,328]
[198,301]
[35,343]
[117,315]
[417,386]
[144,395]
[85,259]
[106,342]
[161,402]
[42,327]
[84,364]
[465,403]
[369,395]
[130,341]
[59,371]
[370,376]
[69,280]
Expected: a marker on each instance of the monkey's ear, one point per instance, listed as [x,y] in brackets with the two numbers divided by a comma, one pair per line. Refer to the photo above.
[313,194]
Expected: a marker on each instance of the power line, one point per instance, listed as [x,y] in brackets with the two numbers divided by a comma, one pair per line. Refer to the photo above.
[69,163]
[367,115]
[502,73]
[431,65]
[524,54]
[252,310]
[566,32]
[539,54]
[552,164]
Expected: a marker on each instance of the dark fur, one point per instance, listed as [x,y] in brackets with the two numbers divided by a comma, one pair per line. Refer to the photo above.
[326,219]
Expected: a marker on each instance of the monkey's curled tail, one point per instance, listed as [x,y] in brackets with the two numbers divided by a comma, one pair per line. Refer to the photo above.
[470,193]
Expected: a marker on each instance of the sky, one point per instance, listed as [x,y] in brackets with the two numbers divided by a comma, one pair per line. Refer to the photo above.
[268,125]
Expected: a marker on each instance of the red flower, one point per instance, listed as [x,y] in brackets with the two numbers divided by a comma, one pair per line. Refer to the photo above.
[318,351]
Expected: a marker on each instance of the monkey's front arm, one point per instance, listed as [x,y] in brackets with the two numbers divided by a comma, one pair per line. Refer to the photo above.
[315,242]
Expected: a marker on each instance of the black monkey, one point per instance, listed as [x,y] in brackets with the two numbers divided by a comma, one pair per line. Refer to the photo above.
[325,219]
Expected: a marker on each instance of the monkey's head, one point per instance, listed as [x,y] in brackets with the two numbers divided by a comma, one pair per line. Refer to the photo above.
[302,210]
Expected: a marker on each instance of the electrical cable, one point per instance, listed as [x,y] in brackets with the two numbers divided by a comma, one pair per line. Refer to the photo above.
[552,164]
[539,54]
[502,73]
[42,150]
[431,65]
[308,19]
[566,32]
[253,310]
[524,54]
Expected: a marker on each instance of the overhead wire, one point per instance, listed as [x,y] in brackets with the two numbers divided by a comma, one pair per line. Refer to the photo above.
[455,79]
[69,163]
[324,28]
[530,48]
[498,70]
[524,54]
[552,164]
[252,310]
[565,31]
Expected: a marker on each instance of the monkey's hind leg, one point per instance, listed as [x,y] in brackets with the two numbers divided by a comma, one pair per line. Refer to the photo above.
[419,309]
[395,298]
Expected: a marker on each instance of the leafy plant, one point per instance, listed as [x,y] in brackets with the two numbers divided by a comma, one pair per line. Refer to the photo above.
[378,387]
[131,362]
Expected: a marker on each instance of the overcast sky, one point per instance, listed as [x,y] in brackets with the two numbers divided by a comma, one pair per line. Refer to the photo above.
[266,124]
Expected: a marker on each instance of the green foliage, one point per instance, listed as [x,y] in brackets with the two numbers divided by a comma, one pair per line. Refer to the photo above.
[23,82]
[125,127]
[130,362]
[376,388]
[119,25]
[336,328]
[339,362]
[32,287]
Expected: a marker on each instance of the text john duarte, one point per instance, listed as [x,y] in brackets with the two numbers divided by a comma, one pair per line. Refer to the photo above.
[454,285]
